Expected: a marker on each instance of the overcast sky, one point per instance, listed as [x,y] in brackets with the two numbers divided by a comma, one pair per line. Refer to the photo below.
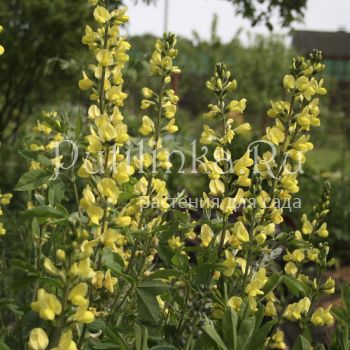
[188,15]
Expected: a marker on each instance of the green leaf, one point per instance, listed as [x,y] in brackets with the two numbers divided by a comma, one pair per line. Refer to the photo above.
[210,330]
[274,280]
[117,338]
[345,295]
[302,344]
[45,211]
[245,333]
[23,265]
[147,306]
[37,156]
[33,179]
[259,337]
[56,191]
[181,262]
[154,287]
[230,322]
[164,274]
[294,286]
[3,346]
[164,347]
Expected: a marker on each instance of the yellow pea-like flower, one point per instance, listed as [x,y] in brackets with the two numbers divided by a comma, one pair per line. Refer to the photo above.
[147,126]
[175,243]
[110,281]
[217,187]
[235,303]
[322,317]
[240,231]
[78,293]
[101,15]
[229,263]
[323,232]
[206,235]
[207,136]
[237,106]
[270,309]
[47,305]
[258,282]
[169,110]
[243,129]
[95,214]
[171,128]
[83,315]
[66,341]
[38,339]
[109,189]
[289,82]
[85,83]
[105,58]
[290,268]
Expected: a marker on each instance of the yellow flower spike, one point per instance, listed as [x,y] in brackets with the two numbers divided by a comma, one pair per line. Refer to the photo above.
[47,305]
[147,126]
[322,317]
[110,281]
[101,15]
[216,187]
[290,268]
[38,339]
[206,235]
[85,83]
[105,58]
[78,293]
[109,189]
[111,237]
[66,342]
[2,50]
[235,303]
[240,232]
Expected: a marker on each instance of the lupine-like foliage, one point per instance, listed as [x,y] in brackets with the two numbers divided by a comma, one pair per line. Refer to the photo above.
[119,266]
